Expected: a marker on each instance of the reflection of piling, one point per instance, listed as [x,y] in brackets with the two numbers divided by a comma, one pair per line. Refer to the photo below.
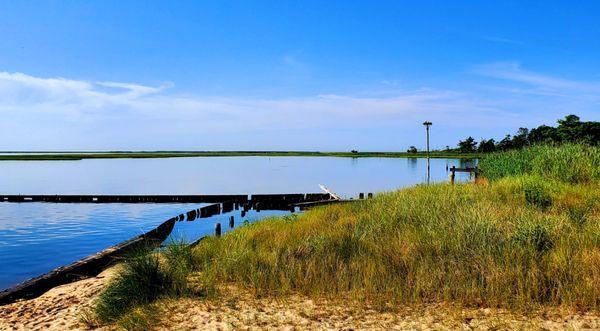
[231,222]
[428,169]
[218,229]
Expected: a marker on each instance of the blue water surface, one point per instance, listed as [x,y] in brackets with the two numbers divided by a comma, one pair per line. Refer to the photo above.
[37,237]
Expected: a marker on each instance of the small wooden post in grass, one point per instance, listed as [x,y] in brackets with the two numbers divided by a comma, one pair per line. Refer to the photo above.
[231,222]
[370,195]
[361,196]
[218,229]
[452,174]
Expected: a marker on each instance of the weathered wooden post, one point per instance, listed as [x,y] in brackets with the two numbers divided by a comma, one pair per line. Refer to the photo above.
[370,195]
[361,196]
[231,222]
[218,229]
[452,174]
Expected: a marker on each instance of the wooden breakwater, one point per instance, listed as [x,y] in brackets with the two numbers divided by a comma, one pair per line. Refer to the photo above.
[202,198]
[87,267]
[98,198]
[94,264]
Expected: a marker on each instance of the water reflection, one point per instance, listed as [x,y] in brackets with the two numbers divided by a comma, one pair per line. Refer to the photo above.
[219,175]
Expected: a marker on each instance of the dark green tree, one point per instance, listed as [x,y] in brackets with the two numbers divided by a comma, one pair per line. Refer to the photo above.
[520,139]
[570,129]
[543,134]
[486,146]
[590,133]
[505,144]
[468,145]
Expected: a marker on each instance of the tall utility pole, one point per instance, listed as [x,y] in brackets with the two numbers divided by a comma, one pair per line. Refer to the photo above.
[427,125]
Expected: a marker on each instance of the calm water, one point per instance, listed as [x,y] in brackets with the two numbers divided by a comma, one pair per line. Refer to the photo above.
[36,237]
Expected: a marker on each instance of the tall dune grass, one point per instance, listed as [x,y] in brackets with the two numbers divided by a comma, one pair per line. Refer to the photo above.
[567,163]
[475,245]
[529,237]
[144,277]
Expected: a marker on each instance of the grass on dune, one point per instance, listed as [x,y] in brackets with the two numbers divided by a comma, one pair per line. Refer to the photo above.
[530,237]
[145,276]
[475,245]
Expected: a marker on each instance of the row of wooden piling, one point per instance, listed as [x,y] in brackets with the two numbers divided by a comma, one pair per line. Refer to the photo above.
[263,203]
[289,198]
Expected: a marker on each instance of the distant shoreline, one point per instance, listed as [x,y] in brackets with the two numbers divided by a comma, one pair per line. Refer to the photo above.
[75,156]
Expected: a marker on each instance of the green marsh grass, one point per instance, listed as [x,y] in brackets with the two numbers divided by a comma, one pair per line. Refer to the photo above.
[567,163]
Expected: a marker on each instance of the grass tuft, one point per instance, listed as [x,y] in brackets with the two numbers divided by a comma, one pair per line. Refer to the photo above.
[145,276]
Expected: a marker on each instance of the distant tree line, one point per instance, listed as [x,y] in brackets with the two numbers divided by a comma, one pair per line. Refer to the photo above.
[569,130]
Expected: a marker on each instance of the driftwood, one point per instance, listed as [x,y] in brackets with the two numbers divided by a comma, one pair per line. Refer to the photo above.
[87,267]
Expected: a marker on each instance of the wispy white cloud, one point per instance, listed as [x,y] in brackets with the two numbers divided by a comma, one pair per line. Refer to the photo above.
[61,113]
[135,90]
[61,94]
[512,71]
[503,40]
[64,110]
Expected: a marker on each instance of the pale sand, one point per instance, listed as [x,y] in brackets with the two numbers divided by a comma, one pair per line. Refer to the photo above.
[61,309]
[58,309]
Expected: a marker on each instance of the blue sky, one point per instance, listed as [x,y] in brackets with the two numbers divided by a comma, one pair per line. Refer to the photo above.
[301,75]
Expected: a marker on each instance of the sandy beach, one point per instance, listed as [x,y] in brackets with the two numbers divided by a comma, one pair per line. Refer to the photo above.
[62,308]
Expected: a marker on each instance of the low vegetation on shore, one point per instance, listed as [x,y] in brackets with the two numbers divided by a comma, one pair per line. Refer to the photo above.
[76,156]
[528,237]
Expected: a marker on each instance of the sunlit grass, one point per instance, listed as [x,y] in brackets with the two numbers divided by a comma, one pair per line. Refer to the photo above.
[567,163]
[144,277]
[529,237]
[492,245]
